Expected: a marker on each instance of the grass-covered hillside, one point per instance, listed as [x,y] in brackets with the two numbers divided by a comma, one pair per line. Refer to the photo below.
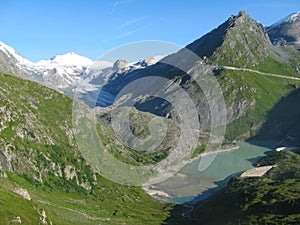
[249,98]
[38,153]
[110,203]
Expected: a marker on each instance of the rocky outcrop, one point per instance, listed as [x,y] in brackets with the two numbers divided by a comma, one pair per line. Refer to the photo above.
[22,192]
[3,174]
[43,217]
[17,220]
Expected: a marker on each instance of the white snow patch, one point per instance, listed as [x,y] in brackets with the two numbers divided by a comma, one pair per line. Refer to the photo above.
[289,19]
[68,59]
[10,52]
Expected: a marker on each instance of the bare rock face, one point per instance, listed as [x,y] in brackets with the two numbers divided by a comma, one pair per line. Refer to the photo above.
[23,193]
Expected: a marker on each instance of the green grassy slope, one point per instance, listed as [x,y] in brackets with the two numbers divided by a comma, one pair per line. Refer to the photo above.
[35,134]
[118,205]
[249,98]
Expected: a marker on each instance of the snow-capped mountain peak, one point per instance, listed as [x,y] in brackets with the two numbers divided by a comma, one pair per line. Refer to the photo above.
[61,71]
[12,54]
[289,19]
[294,17]
[68,59]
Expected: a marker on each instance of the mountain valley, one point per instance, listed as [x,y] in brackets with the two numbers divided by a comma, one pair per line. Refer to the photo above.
[46,178]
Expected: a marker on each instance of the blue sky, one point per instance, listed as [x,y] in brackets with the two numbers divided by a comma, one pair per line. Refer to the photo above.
[41,29]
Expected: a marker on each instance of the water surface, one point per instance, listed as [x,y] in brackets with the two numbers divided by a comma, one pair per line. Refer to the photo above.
[224,166]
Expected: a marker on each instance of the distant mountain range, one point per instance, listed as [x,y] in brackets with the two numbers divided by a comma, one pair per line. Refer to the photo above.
[63,71]
[60,71]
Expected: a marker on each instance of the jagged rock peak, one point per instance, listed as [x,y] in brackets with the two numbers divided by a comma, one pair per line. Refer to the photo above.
[243,13]
[119,64]
[239,30]
[247,21]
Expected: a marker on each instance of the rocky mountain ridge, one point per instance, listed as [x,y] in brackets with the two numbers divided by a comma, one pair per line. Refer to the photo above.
[234,33]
